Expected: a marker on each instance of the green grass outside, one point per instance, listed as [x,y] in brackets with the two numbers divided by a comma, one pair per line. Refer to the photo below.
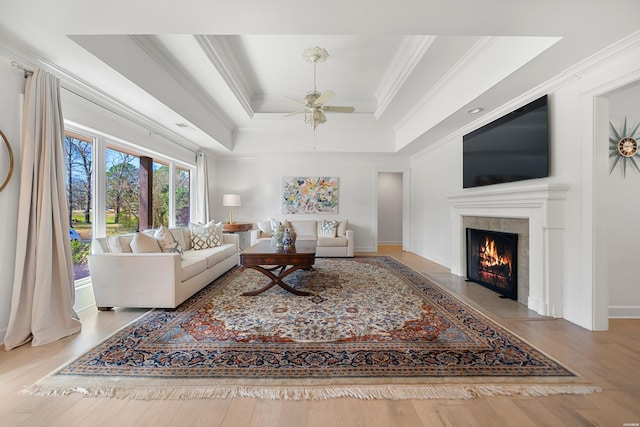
[85,230]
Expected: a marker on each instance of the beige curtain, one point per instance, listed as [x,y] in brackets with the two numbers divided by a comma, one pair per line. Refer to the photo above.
[43,288]
[202,192]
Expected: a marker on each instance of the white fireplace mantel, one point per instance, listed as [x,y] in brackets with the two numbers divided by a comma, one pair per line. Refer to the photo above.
[543,206]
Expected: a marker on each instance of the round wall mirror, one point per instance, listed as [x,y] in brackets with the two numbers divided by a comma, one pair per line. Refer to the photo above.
[5,181]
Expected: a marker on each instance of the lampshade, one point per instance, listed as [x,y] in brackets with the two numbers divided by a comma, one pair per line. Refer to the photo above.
[231,200]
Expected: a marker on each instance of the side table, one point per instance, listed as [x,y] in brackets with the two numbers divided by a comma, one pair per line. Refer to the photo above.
[237,227]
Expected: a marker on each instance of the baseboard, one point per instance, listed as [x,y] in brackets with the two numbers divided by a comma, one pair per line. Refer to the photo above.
[624,312]
[389,243]
[84,297]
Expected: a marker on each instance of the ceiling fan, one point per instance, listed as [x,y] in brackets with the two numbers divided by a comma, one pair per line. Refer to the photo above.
[315,102]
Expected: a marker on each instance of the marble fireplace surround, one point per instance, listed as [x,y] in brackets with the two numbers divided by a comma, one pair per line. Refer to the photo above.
[543,206]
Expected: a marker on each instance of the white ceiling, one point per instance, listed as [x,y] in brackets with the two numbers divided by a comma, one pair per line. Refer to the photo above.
[411,68]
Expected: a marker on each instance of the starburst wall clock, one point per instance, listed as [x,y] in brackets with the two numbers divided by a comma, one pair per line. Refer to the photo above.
[623,147]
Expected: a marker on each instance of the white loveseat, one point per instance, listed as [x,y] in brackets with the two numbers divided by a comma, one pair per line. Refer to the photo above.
[338,243]
[124,278]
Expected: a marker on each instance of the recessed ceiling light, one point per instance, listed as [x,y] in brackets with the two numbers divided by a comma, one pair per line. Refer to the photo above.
[475,110]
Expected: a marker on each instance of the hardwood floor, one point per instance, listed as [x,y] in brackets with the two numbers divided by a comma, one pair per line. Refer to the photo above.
[609,359]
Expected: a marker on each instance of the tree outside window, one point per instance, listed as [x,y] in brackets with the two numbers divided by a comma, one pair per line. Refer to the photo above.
[122,192]
[79,170]
[183,201]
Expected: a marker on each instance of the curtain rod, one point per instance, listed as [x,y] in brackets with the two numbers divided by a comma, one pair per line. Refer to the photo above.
[27,71]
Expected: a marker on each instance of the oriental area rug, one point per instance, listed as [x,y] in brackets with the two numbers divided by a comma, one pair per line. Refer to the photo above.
[372,328]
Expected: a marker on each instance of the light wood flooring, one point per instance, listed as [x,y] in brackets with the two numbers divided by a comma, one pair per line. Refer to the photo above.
[609,359]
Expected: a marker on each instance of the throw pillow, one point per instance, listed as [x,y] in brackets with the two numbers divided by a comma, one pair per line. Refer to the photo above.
[265,228]
[167,241]
[342,228]
[275,224]
[205,236]
[328,228]
[114,245]
[143,243]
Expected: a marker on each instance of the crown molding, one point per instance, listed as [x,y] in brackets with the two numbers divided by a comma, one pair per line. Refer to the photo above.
[404,62]
[215,50]
[181,75]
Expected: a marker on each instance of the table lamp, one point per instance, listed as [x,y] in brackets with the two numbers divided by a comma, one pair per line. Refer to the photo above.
[231,200]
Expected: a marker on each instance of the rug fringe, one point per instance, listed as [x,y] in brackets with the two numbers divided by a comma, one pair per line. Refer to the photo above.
[314,393]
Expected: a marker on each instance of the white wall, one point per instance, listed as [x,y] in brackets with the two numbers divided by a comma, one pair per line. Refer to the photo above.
[623,215]
[11,88]
[390,204]
[576,160]
[258,181]
[435,173]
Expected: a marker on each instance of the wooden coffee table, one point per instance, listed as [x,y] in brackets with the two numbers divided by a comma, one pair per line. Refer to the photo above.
[266,258]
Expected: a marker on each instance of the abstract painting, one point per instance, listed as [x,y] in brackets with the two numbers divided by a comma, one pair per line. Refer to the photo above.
[309,195]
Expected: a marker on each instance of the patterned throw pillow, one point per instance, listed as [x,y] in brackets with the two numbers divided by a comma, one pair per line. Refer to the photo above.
[327,228]
[205,236]
[167,241]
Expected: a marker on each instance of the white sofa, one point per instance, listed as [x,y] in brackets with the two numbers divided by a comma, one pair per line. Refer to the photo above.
[339,245]
[122,278]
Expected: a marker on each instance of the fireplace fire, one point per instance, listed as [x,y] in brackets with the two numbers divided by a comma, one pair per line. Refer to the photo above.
[492,260]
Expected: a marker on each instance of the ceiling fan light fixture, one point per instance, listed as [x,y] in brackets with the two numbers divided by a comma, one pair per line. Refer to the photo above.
[315,102]
[315,54]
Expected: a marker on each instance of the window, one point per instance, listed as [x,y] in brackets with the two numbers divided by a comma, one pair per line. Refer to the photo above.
[122,192]
[79,172]
[160,194]
[183,202]
[103,189]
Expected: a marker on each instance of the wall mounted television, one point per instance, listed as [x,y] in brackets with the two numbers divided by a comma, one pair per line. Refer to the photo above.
[512,148]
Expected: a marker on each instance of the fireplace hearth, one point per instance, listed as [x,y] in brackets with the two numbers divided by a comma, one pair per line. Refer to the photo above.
[492,260]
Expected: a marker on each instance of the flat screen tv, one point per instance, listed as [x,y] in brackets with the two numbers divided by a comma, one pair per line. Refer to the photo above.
[514,147]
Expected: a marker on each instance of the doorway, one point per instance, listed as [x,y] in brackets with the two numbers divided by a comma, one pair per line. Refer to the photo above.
[390,208]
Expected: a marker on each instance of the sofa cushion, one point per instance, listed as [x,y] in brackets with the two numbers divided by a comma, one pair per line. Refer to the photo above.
[143,243]
[168,243]
[205,236]
[230,249]
[333,242]
[306,228]
[192,266]
[327,228]
[212,255]
[342,228]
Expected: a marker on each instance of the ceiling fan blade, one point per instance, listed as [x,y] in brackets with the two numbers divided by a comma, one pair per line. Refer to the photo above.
[335,109]
[326,96]
[294,113]
[294,100]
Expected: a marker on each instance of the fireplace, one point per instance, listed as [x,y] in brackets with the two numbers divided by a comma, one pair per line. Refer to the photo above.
[492,260]
[542,206]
